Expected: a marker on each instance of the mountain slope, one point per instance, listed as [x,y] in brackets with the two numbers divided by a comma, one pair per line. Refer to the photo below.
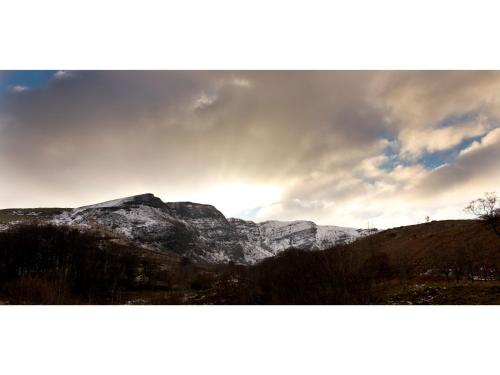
[439,244]
[201,231]
[261,240]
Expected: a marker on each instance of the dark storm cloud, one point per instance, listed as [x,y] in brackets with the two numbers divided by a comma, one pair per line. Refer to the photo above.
[184,123]
[321,136]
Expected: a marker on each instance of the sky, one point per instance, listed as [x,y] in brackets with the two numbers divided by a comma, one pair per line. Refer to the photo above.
[349,148]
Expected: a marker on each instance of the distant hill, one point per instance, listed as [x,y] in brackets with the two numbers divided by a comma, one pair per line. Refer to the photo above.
[195,230]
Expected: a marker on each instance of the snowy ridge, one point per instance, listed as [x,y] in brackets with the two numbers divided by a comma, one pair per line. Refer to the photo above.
[201,231]
[269,238]
[107,204]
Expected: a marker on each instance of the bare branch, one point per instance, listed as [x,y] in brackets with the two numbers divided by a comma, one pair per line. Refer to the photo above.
[486,209]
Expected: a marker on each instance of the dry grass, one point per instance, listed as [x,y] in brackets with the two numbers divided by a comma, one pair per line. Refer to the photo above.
[422,243]
[443,293]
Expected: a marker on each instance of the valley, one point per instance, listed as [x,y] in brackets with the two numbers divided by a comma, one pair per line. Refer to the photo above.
[141,250]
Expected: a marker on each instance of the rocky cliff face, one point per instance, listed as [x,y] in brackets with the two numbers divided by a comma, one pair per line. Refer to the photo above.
[201,231]
[269,238]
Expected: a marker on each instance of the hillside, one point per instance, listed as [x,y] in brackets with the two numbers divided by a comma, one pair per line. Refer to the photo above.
[439,262]
[430,245]
[27,215]
[198,231]
[443,262]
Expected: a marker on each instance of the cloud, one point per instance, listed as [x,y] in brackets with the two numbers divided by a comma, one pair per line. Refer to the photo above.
[476,168]
[340,147]
[18,88]
[63,74]
[417,141]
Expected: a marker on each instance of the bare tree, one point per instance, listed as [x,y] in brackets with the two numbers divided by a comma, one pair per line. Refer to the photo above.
[486,209]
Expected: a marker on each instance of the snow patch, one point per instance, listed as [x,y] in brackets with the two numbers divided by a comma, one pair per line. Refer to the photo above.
[113,203]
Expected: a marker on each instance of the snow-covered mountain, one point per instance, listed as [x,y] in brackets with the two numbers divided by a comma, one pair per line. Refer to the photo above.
[261,240]
[201,231]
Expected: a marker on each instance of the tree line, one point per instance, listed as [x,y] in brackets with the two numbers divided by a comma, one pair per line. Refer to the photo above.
[49,264]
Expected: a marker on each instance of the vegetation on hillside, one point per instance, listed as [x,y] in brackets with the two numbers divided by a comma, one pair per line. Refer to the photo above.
[487,209]
[45,264]
[444,262]
[28,215]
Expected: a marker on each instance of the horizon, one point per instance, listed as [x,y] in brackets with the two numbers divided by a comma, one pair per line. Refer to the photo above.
[368,226]
[341,148]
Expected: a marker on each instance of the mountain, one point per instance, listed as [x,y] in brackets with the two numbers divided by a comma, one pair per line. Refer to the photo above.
[262,240]
[195,230]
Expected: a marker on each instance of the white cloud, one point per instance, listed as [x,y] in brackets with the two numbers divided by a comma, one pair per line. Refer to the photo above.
[415,142]
[489,140]
[18,88]
[63,74]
